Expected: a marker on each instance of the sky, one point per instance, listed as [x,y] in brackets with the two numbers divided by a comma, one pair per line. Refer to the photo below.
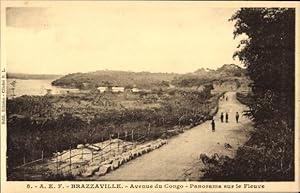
[125,36]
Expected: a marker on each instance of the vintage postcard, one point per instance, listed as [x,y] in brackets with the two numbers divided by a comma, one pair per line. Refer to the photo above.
[149,96]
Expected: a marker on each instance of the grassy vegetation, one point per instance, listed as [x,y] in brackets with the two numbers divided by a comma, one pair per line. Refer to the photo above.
[55,122]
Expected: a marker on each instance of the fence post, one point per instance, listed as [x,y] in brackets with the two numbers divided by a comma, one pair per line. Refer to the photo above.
[70,160]
[60,159]
[101,155]
[24,173]
[24,170]
[42,155]
[110,144]
[56,162]
[118,141]
[148,134]
[132,136]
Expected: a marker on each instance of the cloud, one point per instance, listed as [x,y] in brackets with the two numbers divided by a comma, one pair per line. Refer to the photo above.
[167,39]
[26,17]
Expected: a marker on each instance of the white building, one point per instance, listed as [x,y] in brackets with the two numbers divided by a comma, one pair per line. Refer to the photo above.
[102,89]
[135,90]
[118,89]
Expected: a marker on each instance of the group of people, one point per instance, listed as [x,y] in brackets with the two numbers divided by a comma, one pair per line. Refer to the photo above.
[237,116]
[223,97]
[226,117]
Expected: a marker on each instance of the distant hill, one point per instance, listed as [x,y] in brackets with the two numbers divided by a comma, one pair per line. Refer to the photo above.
[113,78]
[203,76]
[231,70]
[147,79]
[32,76]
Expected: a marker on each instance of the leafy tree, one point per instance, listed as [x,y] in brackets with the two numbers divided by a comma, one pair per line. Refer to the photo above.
[268,52]
[269,55]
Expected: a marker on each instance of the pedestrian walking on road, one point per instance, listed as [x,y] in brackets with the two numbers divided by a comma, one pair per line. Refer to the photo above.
[237,116]
[222,117]
[213,125]
[226,117]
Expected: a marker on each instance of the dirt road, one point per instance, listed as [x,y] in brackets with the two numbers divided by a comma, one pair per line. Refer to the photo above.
[179,159]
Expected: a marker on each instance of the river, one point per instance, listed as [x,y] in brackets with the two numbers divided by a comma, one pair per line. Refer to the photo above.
[34,87]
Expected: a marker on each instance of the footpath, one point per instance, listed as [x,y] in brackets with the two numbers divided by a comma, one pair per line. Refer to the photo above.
[179,159]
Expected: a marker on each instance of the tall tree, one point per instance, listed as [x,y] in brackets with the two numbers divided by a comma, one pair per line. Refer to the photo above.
[268,52]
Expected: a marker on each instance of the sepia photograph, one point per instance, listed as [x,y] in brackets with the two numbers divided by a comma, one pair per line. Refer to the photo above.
[148,92]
